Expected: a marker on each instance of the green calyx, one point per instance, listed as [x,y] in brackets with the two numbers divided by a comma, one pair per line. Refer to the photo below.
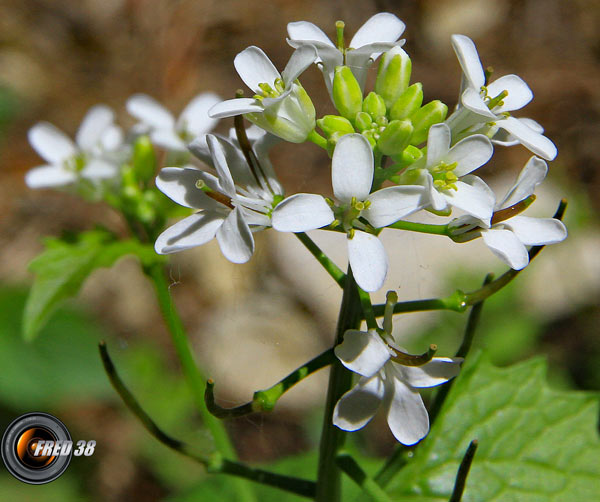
[395,137]
[347,94]
[393,75]
[374,105]
[334,124]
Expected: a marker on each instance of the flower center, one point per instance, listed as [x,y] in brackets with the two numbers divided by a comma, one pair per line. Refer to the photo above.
[76,163]
[268,91]
[444,177]
[495,101]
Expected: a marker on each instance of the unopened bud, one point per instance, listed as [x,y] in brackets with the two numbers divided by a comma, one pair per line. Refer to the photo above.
[363,121]
[347,94]
[393,75]
[432,113]
[408,102]
[331,124]
[395,138]
[144,159]
[374,106]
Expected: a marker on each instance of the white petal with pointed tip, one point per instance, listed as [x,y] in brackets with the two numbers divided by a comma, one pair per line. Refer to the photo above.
[470,154]
[150,111]
[471,199]
[466,52]
[506,246]
[220,164]
[530,177]
[382,27]
[406,415]
[51,143]
[435,372]
[438,143]
[303,30]
[179,184]
[358,406]
[390,204]
[352,168]
[368,260]
[301,59]
[537,231]
[302,212]
[190,232]
[519,93]
[237,106]
[48,177]
[194,116]
[97,120]
[254,67]
[363,352]
[534,141]
[235,238]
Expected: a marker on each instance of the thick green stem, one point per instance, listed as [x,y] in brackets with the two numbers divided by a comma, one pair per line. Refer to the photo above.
[332,269]
[340,380]
[317,139]
[196,381]
[424,228]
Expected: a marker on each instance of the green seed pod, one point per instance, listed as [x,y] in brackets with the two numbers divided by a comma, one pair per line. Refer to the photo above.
[395,138]
[408,102]
[374,106]
[330,124]
[347,95]
[393,75]
[432,113]
[363,121]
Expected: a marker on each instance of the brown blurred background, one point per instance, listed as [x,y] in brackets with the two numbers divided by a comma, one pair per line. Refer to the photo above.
[58,58]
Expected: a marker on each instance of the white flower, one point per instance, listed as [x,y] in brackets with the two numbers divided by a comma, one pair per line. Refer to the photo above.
[93,156]
[352,177]
[280,105]
[388,384]
[167,132]
[227,210]
[489,106]
[508,238]
[443,173]
[379,34]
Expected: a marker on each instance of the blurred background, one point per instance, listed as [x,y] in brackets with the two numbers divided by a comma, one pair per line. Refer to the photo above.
[253,324]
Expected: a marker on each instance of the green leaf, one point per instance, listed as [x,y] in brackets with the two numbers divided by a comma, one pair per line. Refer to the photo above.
[64,266]
[535,444]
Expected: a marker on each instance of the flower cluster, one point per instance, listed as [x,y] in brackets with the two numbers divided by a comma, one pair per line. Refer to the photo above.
[392,156]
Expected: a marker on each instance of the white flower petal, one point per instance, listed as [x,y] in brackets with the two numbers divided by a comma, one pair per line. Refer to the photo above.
[436,372]
[302,212]
[358,406]
[519,93]
[237,106]
[470,154]
[150,112]
[235,238]
[168,139]
[392,203]
[530,177]
[194,117]
[382,27]
[436,200]
[537,231]
[352,168]
[471,199]
[472,100]
[179,184]
[97,120]
[506,246]
[368,260]
[438,143]
[98,169]
[220,164]
[51,143]
[254,67]
[406,415]
[190,232]
[305,31]
[49,177]
[301,59]
[112,138]
[534,141]
[363,352]
[466,52]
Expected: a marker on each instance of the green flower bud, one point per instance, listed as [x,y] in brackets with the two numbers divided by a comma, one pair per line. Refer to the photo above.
[374,106]
[395,137]
[347,95]
[363,121]
[393,75]
[370,135]
[408,102]
[144,159]
[332,142]
[330,124]
[432,113]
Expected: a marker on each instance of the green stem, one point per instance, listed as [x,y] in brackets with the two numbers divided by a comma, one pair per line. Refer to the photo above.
[354,471]
[367,308]
[423,228]
[332,269]
[196,381]
[455,302]
[340,381]
[463,472]
[265,400]
[317,139]
[215,463]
